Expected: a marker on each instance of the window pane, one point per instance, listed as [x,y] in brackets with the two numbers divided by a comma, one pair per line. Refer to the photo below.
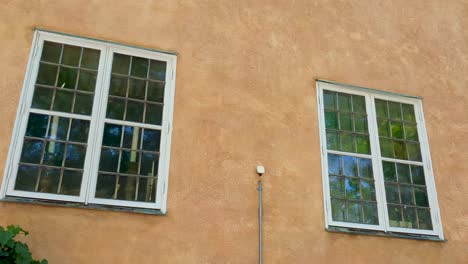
[71,182]
[127,188]
[51,52]
[334,164]
[408,113]
[79,130]
[137,89]
[71,55]
[149,164]
[47,74]
[333,140]
[352,188]
[338,210]
[139,67]
[90,58]
[346,122]
[75,156]
[121,63]
[157,70]
[370,214]
[354,212]
[151,139]
[112,135]
[155,92]
[49,180]
[154,114]
[329,99]
[146,189]
[134,111]
[424,216]
[109,160]
[63,101]
[27,178]
[83,104]
[32,151]
[344,102]
[67,77]
[115,108]
[331,120]
[54,153]
[42,98]
[118,86]
[105,186]
[336,186]
[87,81]
[37,125]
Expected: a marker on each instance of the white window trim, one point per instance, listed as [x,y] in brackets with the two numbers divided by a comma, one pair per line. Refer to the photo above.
[370,96]
[97,119]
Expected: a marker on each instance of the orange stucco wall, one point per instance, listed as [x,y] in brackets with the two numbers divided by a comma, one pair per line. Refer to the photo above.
[245,94]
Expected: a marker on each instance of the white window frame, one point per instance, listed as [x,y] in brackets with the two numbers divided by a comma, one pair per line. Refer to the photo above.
[370,96]
[97,119]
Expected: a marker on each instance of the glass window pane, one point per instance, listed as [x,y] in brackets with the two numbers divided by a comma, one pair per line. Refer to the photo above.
[409,216]
[118,86]
[137,89]
[63,101]
[67,77]
[26,178]
[134,111]
[420,195]
[146,189]
[109,160]
[363,144]
[346,122]
[115,108]
[367,190]
[54,152]
[83,104]
[408,113]
[414,153]
[155,92]
[71,182]
[79,130]
[154,114]
[344,102]
[424,216]
[336,186]
[37,125]
[394,110]
[394,215]
[352,188]
[105,186]
[121,64]
[386,148]
[49,180]
[406,193]
[417,175]
[75,156]
[392,193]
[157,70]
[354,212]
[87,81]
[51,52]
[333,140]
[151,139]
[399,150]
[334,164]
[397,130]
[338,210]
[331,120]
[71,55]
[329,100]
[47,74]
[32,151]
[389,171]
[360,123]
[411,132]
[42,98]
[90,58]
[347,142]
[112,135]
[359,104]
[149,164]
[365,168]
[381,108]
[58,128]
[139,67]
[129,162]
[370,214]
[403,173]
[349,166]
[384,127]
[127,188]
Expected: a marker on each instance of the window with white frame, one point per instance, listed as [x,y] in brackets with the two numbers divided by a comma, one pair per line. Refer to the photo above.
[93,125]
[376,164]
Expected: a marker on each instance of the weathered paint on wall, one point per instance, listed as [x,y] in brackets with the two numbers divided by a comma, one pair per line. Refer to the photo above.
[245,94]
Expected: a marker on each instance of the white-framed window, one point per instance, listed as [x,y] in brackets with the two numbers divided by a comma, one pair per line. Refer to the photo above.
[93,125]
[376,164]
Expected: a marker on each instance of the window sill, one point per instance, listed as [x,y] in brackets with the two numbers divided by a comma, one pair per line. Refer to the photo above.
[354,231]
[79,205]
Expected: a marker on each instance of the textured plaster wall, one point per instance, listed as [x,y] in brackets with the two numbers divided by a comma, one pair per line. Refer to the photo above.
[245,94]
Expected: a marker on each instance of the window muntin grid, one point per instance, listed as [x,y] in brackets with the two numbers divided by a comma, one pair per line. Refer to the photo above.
[422,214]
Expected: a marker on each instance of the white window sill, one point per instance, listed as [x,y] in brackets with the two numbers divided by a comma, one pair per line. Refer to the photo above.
[355,231]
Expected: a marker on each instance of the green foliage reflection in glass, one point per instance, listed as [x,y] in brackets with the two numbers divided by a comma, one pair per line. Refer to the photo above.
[407,198]
[66,79]
[398,133]
[53,154]
[13,251]
[352,189]
[346,122]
